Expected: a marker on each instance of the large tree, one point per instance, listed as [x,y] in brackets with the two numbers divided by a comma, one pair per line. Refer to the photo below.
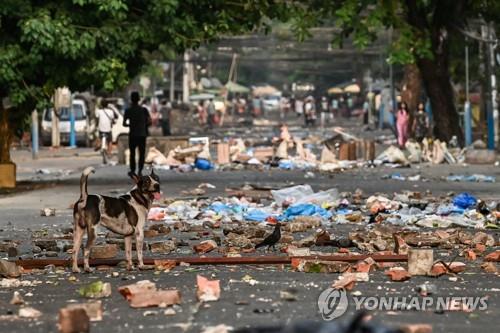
[79,43]
[421,32]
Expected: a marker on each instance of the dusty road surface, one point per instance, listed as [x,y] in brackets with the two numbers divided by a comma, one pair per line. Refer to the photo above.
[251,295]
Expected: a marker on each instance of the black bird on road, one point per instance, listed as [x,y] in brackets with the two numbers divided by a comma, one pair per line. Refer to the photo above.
[482,208]
[272,239]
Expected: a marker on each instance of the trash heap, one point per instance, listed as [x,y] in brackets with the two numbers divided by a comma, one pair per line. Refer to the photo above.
[340,151]
[408,209]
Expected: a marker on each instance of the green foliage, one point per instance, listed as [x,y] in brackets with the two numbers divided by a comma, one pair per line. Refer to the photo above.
[78,43]
[415,23]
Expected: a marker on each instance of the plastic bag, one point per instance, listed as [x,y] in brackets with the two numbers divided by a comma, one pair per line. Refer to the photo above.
[464,200]
[305,210]
[291,194]
[203,164]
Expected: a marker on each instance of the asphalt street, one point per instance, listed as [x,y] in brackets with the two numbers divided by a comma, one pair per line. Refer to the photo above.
[241,304]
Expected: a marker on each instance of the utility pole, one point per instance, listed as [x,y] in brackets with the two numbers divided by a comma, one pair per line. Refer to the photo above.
[487,34]
[172,82]
[493,80]
[185,78]
[467,109]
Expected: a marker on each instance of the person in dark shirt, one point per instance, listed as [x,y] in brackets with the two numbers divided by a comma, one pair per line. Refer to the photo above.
[138,119]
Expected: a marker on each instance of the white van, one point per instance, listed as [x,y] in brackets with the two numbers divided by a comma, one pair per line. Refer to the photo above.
[81,124]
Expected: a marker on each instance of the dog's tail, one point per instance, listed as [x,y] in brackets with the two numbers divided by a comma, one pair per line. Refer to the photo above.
[83,185]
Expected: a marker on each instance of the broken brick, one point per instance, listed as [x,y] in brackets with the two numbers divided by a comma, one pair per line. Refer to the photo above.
[400,246]
[208,290]
[398,274]
[164,247]
[345,281]
[440,269]
[470,255]
[205,246]
[144,294]
[73,320]
[493,256]
[106,251]
[416,328]
[479,248]
[9,269]
[92,309]
[319,266]
[364,266]
[164,264]
[489,267]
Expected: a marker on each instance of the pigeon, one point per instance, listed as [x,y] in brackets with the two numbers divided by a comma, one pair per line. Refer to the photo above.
[272,239]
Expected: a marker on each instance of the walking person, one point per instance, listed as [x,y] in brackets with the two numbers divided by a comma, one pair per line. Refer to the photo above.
[324,111]
[137,119]
[211,113]
[420,124]
[165,117]
[106,118]
[402,120]
[202,114]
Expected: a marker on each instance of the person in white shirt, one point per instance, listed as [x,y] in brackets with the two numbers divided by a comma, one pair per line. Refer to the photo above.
[106,117]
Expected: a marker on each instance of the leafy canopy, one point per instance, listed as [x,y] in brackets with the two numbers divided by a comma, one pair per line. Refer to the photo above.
[79,43]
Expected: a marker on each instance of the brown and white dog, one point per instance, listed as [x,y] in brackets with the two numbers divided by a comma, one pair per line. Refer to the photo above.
[125,215]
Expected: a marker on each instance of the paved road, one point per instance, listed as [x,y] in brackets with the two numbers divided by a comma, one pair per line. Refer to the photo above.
[241,304]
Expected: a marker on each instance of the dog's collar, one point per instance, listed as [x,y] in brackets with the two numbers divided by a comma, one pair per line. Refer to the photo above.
[139,197]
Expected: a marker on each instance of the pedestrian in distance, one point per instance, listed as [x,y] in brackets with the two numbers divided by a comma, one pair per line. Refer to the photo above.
[420,124]
[137,118]
[106,117]
[324,111]
[165,117]
[402,122]
[211,113]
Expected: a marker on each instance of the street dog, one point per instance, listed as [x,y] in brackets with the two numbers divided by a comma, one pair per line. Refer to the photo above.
[125,215]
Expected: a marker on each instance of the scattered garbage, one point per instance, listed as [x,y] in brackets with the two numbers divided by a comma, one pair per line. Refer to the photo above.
[96,289]
[464,200]
[475,178]
[48,212]
[29,312]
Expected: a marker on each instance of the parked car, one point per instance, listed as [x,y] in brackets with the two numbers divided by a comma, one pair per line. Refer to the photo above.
[81,124]
[272,102]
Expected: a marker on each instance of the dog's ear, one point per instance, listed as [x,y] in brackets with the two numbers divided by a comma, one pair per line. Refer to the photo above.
[153,172]
[134,177]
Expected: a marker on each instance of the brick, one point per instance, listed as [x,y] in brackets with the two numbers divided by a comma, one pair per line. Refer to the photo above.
[205,246]
[398,274]
[400,246]
[73,321]
[319,266]
[489,267]
[416,328]
[106,251]
[493,256]
[92,309]
[164,247]
[9,269]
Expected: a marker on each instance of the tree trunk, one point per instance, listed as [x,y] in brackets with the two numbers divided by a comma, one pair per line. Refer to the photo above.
[5,135]
[437,83]
[411,87]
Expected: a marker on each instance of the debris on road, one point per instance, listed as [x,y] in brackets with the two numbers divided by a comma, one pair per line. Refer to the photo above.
[9,269]
[207,290]
[96,289]
[144,294]
[73,320]
[48,212]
